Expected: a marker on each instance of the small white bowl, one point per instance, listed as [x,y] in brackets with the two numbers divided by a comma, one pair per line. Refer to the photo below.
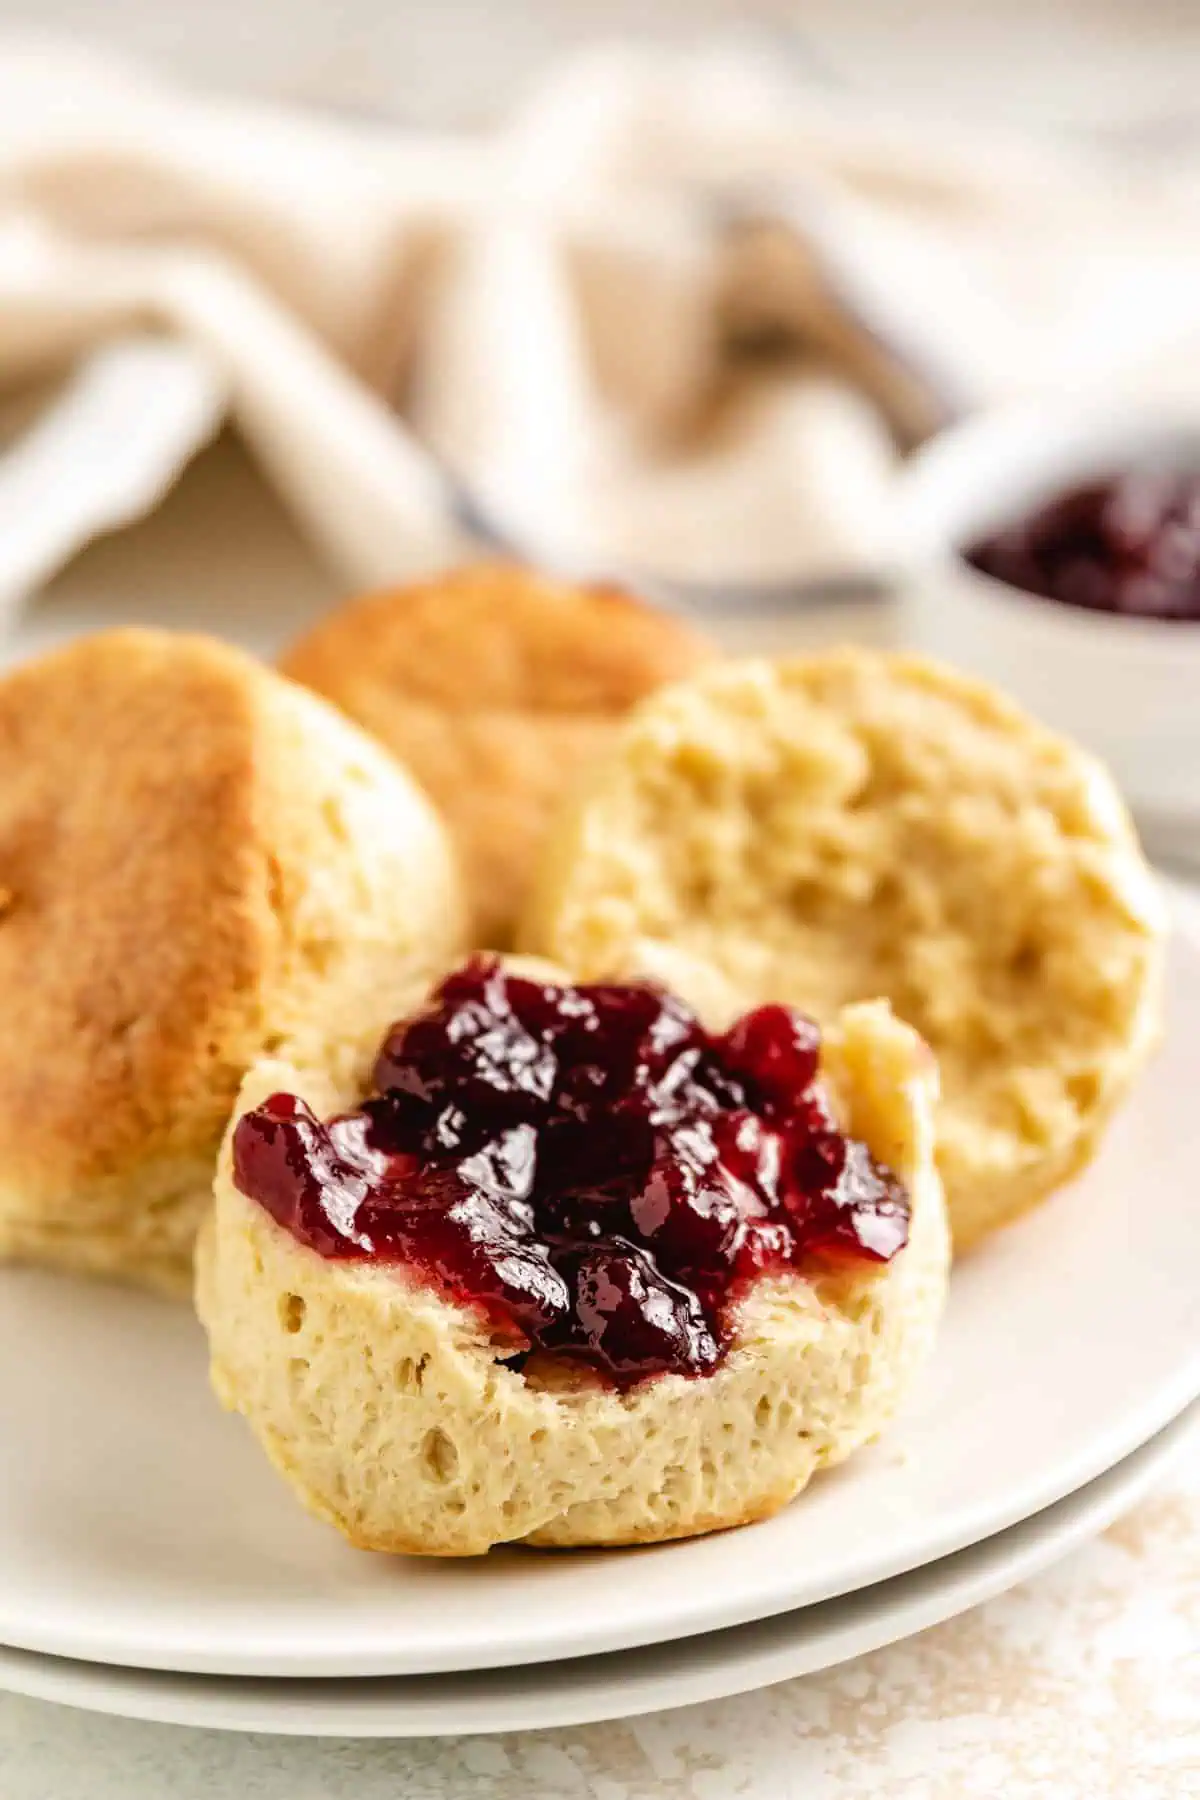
[1128,688]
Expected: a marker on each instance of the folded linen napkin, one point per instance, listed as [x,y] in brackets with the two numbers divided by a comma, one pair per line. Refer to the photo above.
[678,316]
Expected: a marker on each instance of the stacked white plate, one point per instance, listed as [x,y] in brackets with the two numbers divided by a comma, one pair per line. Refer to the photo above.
[152,1565]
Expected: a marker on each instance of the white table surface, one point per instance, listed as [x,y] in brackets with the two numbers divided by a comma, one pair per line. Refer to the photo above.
[1082,1685]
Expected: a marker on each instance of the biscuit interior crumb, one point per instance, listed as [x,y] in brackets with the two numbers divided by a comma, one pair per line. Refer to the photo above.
[830,829]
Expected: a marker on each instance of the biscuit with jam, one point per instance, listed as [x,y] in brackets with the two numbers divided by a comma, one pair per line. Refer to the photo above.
[580,1270]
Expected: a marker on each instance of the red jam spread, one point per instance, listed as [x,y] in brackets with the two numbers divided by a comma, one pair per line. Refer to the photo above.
[587,1164]
[1127,544]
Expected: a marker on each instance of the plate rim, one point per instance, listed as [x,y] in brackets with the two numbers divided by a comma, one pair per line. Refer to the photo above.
[701,1609]
[594,1690]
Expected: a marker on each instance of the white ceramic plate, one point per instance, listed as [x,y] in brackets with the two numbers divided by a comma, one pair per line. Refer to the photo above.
[585,1690]
[140,1526]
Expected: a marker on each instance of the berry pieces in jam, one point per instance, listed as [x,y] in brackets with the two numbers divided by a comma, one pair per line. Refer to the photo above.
[587,1164]
[1129,544]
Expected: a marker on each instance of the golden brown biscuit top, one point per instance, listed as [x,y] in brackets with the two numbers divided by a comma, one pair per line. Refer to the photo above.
[137,899]
[496,686]
[497,637]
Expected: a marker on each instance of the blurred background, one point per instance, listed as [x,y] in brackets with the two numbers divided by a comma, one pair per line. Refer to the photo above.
[729,301]
[1068,64]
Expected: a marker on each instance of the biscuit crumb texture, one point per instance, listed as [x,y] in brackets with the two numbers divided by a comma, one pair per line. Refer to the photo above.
[829,829]
[497,687]
[200,864]
[391,1412]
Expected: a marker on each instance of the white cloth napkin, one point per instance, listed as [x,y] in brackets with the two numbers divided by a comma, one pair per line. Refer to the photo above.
[676,317]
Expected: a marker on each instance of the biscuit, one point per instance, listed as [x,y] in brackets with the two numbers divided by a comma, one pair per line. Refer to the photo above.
[199,863]
[496,687]
[833,828]
[388,1409]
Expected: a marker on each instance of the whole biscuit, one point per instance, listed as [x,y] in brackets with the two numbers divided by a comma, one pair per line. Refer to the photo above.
[832,828]
[199,863]
[496,687]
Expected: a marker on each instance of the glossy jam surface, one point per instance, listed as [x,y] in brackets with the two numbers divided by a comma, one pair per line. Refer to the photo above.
[1128,544]
[588,1164]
